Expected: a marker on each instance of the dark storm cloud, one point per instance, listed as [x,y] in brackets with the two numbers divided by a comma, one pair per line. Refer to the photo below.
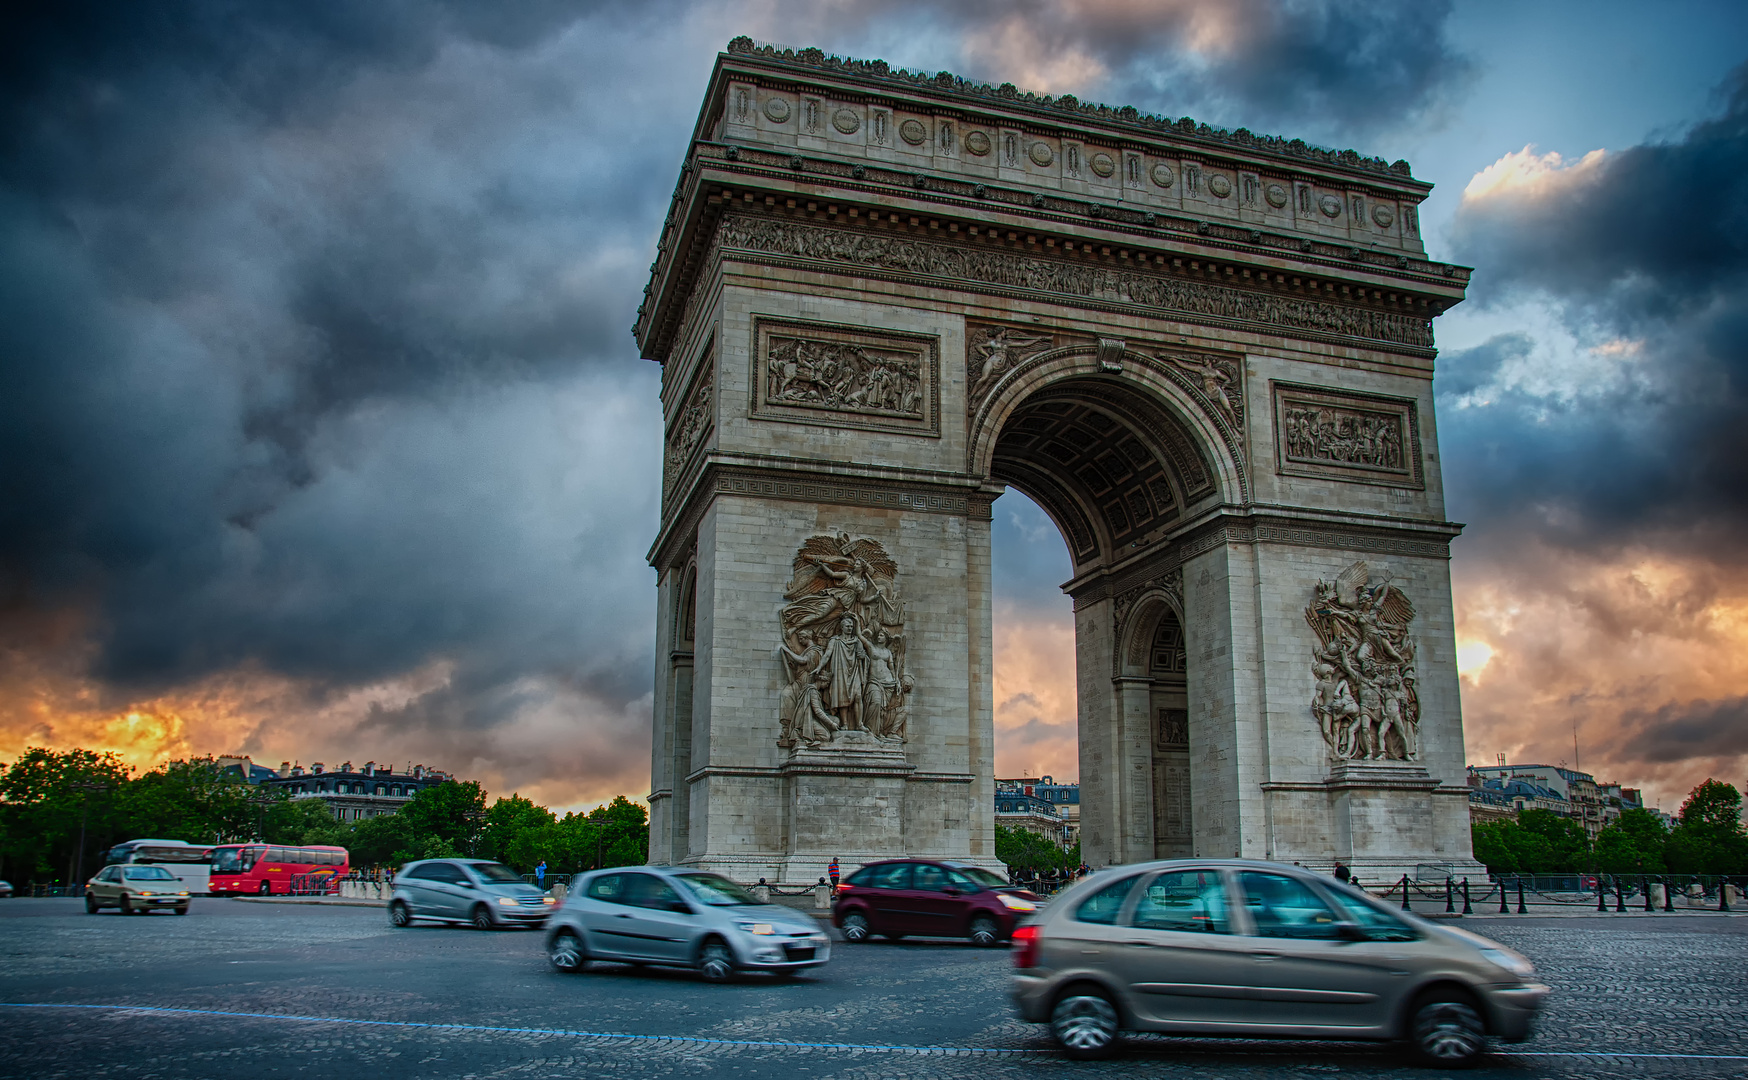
[1644,252]
[312,343]
[1309,68]
[1683,731]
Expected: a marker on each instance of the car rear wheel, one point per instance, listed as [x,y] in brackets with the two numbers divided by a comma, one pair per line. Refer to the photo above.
[715,962]
[399,914]
[482,918]
[1085,1024]
[567,953]
[855,927]
[90,904]
[984,932]
[1447,1031]
[266,888]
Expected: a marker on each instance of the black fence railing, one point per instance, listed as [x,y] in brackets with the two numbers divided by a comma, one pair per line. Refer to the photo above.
[1503,894]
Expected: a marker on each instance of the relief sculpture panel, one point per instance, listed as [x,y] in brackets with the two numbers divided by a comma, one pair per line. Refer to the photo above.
[845,377]
[1365,701]
[1347,436]
[843,649]
[690,426]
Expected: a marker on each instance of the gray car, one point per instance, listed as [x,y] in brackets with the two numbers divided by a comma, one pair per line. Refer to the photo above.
[477,891]
[682,918]
[1257,949]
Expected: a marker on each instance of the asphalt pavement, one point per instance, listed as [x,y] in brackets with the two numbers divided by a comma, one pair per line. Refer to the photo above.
[236,989]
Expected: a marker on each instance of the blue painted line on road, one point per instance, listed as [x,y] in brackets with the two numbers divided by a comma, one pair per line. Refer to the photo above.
[748,1043]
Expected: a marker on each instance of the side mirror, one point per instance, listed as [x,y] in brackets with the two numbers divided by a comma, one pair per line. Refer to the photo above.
[1348,931]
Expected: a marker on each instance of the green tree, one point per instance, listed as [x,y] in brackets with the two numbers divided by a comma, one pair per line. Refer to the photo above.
[1632,844]
[514,828]
[1709,838]
[452,811]
[384,840]
[613,834]
[1568,846]
[47,799]
[1023,849]
[191,801]
[303,821]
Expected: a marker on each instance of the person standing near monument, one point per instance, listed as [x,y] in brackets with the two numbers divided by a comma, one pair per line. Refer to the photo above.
[1342,873]
[832,870]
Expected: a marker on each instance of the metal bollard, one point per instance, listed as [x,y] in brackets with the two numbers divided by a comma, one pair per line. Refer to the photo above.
[1520,908]
[1504,909]
[1450,906]
[1620,895]
[1668,895]
[1467,910]
[1723,894]
[1601,899]
[1645,884]
[1405,906]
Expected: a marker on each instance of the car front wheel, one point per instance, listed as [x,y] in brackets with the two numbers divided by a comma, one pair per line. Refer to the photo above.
[1447,1032]
[482,918]
[567,953]
[399,914]
[1085,1023]
[984,932]
[855,927]
[715,962]
[90,904]
[126,908]
[183,910]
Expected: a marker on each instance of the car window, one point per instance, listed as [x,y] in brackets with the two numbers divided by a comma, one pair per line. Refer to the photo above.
[147,873]
[649,891]
[715,890]
[608,887]
[1285,907]
[1378,923]
[981,877]
[861,878]
[889,876]
[964,883]
[930,878]
[419,873]
[1102,906]
[1187,900]
[110,873]
[496,873]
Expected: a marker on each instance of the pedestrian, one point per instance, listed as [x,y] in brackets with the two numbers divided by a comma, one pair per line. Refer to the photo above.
[833,871]
[540,874]
[1342,873]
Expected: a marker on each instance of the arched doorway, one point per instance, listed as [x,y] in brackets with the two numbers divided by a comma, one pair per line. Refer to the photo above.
[1096,439]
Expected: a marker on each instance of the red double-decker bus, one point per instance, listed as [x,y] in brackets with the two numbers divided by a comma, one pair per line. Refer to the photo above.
[276,870]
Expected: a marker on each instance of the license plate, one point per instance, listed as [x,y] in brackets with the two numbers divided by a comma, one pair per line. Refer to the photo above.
[799,954]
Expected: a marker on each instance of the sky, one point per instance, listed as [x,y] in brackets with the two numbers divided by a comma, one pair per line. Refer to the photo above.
[323,436]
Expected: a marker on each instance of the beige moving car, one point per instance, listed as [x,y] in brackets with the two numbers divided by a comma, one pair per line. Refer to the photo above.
[135,889]
[1256,949]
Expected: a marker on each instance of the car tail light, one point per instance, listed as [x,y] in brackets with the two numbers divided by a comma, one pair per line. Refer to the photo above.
[1026,947]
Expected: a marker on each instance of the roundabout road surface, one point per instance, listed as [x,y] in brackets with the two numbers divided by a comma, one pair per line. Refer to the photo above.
[259,990]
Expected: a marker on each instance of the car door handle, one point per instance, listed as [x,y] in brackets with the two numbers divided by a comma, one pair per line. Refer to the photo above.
[1266,956]
[620,915]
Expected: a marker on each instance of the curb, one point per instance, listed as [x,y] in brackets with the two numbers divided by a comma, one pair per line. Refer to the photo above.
[310,901]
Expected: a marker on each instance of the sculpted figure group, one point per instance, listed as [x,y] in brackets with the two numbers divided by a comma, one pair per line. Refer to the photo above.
[843,646]
[1365,701]
[838,375]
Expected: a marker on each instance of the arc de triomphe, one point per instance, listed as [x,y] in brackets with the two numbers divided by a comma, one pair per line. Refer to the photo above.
[880,299]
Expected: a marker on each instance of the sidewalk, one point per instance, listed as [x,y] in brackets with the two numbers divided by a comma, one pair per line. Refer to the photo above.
[318,901]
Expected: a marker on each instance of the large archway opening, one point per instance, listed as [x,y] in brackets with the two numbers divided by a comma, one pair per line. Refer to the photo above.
[1115,472]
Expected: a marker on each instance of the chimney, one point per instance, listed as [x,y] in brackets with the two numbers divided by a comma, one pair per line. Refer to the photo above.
[370,768]
[316,769]
[285,768]
[297,770]
[418,772]
[346,767]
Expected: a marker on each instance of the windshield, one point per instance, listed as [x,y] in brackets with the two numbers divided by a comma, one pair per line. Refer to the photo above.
[981,876]
[147,873]
[496,873]
[716,891]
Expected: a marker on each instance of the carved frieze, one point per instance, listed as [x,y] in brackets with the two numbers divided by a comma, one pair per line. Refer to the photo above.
[1171,582]
[1004,269]
[1364,700]
[992,350]
[816,373]
[691,424]
[1343,436]
[1171,729]
[842,649]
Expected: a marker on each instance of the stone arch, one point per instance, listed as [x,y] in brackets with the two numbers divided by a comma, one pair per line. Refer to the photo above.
[1202,444]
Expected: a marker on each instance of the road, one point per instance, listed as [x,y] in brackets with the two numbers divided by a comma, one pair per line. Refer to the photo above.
[240,989]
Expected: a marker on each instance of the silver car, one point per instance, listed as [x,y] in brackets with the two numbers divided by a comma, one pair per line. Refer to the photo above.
[477,891]
[683,918]
[1248,949]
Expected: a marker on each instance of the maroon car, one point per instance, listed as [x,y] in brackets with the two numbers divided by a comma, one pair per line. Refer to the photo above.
[907,897]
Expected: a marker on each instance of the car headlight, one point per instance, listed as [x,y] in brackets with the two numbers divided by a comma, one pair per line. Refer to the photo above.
[145,892]
[760,928]
[549,900]
[1016,903]
[507,901]
[1517,965]
[181,894]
